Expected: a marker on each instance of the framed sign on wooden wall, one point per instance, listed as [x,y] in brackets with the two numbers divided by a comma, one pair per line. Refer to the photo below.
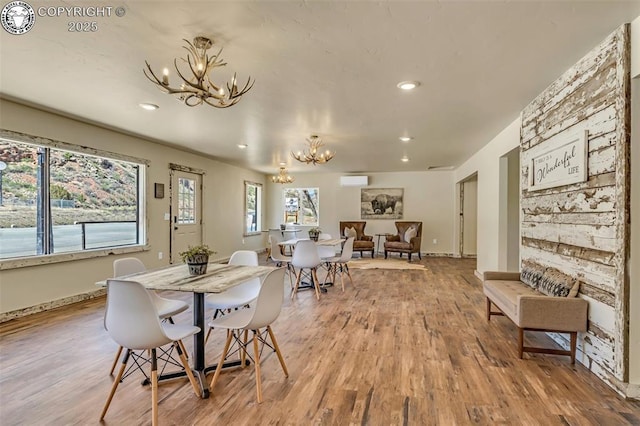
[563,162]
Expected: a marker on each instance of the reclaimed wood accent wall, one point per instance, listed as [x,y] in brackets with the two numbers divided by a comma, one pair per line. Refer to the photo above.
[582,229]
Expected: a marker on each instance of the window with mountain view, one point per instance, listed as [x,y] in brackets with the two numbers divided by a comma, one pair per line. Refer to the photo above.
[57,201]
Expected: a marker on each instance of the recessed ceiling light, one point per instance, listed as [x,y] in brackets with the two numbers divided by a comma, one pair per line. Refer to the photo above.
[148,106]
[405,138]
[242,145]
[408,85]
[282,163]
[405,159]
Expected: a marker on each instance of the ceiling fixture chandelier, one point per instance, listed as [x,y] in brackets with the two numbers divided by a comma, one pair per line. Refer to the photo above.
[315,143]
[196,87]
[282,177]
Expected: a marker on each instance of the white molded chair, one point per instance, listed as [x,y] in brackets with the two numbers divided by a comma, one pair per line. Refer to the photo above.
[289,231]
[166,308]
[282,260]
[244,257]
[325,252]
[257,319]
[237,296]
[305,256]
[339,263]
[132,321]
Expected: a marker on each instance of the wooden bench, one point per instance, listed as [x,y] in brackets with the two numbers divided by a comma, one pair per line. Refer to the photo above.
[538,299]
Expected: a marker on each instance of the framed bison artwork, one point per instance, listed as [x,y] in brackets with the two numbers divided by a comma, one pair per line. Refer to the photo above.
[381,203]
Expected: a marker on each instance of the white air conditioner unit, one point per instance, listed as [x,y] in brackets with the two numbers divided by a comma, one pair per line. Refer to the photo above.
[354,180]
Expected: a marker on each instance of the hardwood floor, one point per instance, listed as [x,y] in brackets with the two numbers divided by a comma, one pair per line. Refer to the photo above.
[396,348]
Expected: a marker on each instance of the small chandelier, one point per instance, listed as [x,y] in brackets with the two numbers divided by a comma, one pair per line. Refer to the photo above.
[196,87]
[282,177]
[312,156]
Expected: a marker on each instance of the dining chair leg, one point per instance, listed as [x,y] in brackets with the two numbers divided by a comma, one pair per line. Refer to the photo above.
[256,352]
[184,349]
[221,362]
[295,289]
[290,270]
[342,279]
[115,361]
[277,348]
[115,383]
[185,363]
[154,388]
[346,268]
[243,349]
[316,282]
[215,315]
[328,274]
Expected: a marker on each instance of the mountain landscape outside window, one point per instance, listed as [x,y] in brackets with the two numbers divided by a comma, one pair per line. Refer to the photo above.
[57,201]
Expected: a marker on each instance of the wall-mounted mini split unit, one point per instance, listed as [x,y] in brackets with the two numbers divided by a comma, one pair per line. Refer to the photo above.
[354,180]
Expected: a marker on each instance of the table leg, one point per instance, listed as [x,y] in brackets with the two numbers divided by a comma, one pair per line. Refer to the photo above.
[200,369]
[198,343]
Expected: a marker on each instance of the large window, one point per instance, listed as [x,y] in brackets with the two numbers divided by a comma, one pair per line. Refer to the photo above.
[252,208]
[302,206]
[55,200]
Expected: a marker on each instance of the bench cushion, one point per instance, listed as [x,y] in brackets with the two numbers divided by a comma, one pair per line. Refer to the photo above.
[529,308]
[504,294]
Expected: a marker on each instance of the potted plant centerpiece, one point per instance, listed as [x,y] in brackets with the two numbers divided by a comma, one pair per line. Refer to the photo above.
[314,232]
[197,258]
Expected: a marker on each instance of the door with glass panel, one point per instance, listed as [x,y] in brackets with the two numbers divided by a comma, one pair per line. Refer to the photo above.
[186,212]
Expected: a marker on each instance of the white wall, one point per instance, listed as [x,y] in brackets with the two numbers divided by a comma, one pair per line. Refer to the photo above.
[634,319]
[223,208]
[486,163]
[428,197]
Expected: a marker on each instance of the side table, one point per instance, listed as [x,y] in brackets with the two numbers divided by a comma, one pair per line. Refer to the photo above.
[378,243]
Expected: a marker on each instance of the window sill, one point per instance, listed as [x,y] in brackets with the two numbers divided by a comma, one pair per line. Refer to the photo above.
[24,262]
[252,234]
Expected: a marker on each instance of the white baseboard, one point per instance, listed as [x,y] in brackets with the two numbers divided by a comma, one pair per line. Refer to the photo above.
[18,313]
[437,254]
[632,391]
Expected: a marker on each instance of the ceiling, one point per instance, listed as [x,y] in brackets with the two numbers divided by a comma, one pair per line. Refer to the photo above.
[326,68]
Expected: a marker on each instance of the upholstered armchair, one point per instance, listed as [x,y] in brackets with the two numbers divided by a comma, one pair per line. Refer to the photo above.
[406,241]
[362,242]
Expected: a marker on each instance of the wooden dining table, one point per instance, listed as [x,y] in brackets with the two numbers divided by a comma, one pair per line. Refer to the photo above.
[218,278]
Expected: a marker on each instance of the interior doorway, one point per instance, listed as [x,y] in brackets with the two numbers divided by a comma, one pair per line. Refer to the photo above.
[468,216]
[185,210]
[509,244]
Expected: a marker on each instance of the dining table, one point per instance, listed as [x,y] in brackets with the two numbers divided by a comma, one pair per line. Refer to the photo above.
[329,242]
[218,278]
[307,281]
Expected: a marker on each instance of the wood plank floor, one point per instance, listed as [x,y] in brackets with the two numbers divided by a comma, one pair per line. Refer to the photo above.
[397,348]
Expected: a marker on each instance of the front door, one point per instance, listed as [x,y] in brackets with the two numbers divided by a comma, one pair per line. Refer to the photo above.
[186,212]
